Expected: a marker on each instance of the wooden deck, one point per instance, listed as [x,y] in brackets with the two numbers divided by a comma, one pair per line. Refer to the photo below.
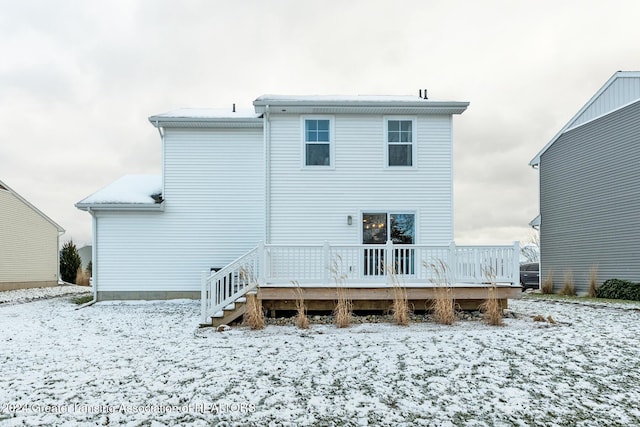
[278,299]
[367,271]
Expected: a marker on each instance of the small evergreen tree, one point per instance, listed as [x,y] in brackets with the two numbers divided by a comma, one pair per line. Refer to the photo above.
[70,262]
[90,268]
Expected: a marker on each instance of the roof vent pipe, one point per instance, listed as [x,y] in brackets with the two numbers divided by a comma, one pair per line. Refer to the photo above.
[425,94]
[234,108]
[419,93]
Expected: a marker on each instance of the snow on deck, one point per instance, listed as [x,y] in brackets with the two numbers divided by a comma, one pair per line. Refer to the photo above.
[135,189]
[148,364]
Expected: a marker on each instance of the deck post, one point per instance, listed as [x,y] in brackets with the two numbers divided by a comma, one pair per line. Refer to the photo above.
[515,275]
[326,262]
[452,262]
[263,272]
[388,257]
[204,296]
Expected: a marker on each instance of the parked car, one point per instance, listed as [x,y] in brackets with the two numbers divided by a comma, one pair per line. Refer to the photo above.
[530,275]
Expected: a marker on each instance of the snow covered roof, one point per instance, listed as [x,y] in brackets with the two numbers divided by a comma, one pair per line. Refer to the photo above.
[210,113]
[208,117]
[621,90]
[5,187]
[245,117]
[385,104]
[130,192]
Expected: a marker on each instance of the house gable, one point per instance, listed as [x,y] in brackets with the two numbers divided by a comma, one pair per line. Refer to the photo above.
[622,89]
[28,243]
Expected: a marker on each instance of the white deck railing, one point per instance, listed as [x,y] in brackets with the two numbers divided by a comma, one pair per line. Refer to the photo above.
[318,265]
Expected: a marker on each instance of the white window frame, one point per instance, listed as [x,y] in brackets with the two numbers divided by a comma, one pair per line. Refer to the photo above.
[303,151]
[414,141]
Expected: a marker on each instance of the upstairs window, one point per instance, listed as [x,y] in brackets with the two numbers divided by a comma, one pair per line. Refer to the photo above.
[400,143]
[317,142]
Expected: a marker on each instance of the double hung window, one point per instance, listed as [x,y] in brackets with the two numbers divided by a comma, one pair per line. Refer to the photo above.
[317,142]
[400,142]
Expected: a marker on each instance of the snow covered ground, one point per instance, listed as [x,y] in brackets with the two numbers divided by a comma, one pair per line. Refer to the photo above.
[149,364]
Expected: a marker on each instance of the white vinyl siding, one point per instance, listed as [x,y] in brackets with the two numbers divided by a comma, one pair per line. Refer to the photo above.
[312,206]
[213,213]
[28,243]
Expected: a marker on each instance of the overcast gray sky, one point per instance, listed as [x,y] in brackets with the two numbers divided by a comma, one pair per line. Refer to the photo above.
[78,80]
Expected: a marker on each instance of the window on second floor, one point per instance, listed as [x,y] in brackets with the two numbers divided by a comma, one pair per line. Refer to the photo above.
[400,144]
[317,142]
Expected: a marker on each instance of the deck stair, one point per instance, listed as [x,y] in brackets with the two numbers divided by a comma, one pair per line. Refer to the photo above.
[231,312]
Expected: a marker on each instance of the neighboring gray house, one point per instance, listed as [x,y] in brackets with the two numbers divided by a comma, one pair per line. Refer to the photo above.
[590,189]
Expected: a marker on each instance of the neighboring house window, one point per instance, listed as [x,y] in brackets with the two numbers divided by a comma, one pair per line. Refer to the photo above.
[400,142]
[317,142]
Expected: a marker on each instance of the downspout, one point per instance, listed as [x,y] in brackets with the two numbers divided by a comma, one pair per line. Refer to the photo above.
[59,279]
[161,132]
[94,260]
[267,178]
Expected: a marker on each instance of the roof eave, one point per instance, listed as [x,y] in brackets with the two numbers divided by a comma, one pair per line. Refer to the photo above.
[204,122]
[423,107]
[131,207]
[35,209]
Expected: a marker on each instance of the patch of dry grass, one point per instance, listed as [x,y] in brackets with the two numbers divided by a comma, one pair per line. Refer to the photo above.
[302,320]
[343,312]
[568,288]
[400,304]
[547,284]
[443,305]
[593,281]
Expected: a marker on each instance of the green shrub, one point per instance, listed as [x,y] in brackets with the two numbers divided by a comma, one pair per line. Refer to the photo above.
[619,289]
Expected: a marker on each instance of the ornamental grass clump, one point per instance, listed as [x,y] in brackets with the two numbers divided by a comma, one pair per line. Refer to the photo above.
[254,315]
[443,305]
[302,320]
[491,308]
[593,282]
[547,283]
[400,304]
[82,277]
[343,312]
[568,288]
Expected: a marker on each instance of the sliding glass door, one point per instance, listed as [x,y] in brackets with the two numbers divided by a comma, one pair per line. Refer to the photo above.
[377,228]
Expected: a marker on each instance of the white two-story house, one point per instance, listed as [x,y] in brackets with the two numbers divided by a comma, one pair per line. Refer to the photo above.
[305,177]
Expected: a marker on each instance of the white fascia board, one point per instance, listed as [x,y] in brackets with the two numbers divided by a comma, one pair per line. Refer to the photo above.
[206,122]
[355,104]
